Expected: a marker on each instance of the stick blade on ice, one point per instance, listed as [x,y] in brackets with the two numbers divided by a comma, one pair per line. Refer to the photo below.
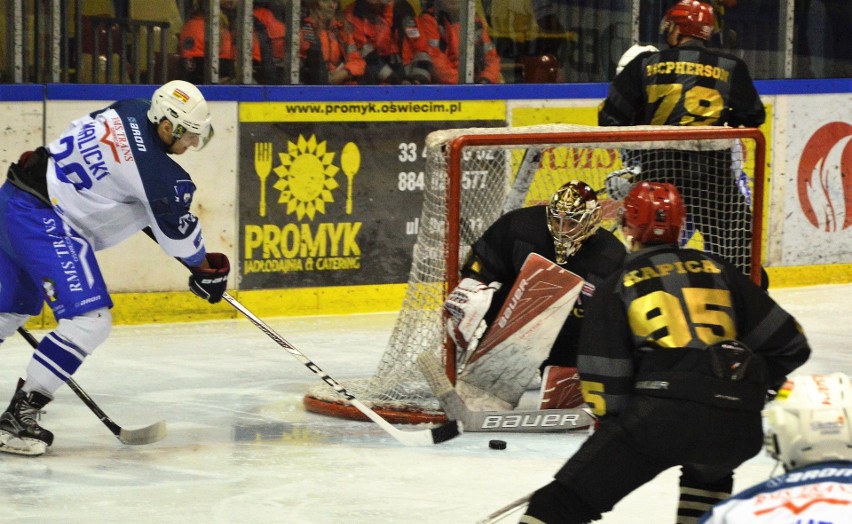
[147,435]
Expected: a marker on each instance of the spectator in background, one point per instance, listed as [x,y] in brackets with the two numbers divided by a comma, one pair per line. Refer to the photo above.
[388,38]
[327,52]
[440,27]
[192,49]
[268,45]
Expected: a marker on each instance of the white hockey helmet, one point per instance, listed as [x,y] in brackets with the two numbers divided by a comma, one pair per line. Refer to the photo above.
[182,104]
[628,56]
[810,421]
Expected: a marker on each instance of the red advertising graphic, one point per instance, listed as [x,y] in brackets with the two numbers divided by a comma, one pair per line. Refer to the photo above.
[824,180]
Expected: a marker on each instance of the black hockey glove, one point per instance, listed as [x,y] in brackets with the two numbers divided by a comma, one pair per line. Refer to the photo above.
[211,283]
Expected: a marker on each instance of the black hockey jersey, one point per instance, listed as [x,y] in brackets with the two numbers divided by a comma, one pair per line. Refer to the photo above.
[682,86]
[656,317]
[504,247]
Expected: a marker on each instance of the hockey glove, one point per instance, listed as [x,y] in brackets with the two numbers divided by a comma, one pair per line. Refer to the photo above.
[211,283]
[618,183]
[467,305]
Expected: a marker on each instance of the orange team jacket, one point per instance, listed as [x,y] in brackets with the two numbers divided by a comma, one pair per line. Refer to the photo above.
[378,33]
[338,46]
[192,39]
[442,37]
[276,30]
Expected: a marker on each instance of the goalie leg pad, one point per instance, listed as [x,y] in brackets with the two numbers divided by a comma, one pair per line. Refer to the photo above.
[508,357]
[560,388]
[499,378]
[477,399]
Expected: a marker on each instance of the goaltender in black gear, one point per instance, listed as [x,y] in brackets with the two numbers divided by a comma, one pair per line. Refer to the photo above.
[677,353]
[565,231]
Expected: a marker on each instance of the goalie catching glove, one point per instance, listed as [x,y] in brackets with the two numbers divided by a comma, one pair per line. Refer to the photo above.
[619,183]
[211,282]
[467,305]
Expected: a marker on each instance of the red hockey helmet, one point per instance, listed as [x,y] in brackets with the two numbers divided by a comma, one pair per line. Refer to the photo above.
[691,17]
[654,213]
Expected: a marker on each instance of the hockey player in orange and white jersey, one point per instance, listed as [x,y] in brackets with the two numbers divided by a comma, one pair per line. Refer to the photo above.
[107,177]
[810,432]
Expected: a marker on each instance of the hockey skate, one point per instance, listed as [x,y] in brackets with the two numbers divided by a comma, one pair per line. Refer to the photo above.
[19,429]
[560,388]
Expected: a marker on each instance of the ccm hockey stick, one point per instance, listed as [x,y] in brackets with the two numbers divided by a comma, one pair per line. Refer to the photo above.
[527,421]
[133,437]
[409,438]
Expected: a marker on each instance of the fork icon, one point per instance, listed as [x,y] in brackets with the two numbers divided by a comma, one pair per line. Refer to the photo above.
[263,166]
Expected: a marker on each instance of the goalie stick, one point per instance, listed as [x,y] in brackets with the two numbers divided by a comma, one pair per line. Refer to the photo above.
[526,421]
[409,438]
[133,437]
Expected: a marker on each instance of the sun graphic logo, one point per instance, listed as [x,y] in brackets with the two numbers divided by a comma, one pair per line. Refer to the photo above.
[306,177]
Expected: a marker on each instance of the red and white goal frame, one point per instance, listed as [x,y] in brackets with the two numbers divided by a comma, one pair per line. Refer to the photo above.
[475,175]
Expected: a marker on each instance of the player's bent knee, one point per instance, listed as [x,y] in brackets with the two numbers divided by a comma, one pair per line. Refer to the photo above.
[87,331]
[9,323]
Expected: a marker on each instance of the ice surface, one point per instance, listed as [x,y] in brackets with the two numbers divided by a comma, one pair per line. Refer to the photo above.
[241,448]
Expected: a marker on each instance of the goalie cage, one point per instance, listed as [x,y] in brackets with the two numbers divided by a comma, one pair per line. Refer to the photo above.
[475,175]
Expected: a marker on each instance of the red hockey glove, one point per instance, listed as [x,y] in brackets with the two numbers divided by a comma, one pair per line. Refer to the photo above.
[211,283]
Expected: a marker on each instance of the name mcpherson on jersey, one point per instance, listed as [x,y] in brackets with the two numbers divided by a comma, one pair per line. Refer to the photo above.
[688,68]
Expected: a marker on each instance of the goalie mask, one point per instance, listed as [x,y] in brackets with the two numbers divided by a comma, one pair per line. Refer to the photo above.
[809,422]
[182,104]
[573,215]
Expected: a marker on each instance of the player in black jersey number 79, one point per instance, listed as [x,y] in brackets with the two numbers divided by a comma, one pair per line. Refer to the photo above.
[689,84]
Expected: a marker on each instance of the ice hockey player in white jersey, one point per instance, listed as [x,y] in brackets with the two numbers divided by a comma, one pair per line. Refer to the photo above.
[810,432]
[107,177]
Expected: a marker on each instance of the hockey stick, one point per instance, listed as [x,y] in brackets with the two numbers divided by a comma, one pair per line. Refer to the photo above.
[506,510]
[526,421]
[409,438]
[133,437]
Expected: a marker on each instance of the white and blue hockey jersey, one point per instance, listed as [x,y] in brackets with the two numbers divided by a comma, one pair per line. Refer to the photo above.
[815,494]
[110,176]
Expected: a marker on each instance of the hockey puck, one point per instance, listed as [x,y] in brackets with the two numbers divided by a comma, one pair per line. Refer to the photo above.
[497,444]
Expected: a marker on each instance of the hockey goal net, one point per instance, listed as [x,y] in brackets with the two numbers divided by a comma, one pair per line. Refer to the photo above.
[474,175]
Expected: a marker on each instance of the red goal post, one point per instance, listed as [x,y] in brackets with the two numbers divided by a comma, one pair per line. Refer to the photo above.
[474,175]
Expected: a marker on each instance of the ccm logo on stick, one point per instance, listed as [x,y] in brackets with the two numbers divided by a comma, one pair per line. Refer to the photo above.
[529,421]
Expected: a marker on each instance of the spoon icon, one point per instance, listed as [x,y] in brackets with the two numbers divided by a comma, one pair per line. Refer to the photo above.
[350,162]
